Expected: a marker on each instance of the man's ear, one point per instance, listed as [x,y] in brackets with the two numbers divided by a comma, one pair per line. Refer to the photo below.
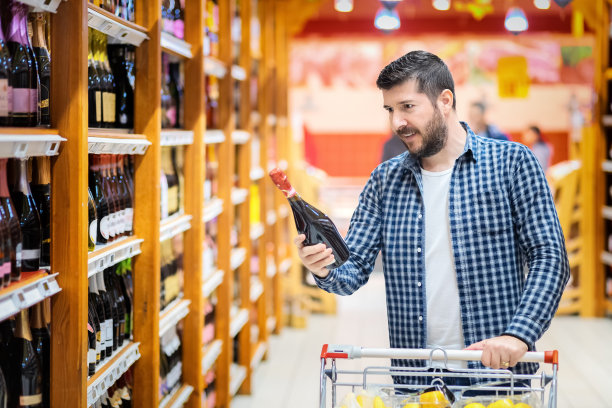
[445,101]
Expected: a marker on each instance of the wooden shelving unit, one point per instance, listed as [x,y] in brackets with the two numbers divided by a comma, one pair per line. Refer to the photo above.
[246,201]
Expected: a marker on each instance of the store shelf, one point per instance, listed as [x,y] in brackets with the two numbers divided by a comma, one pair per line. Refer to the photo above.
[214,67]
[257,173]
[239,195]
[257,230]
[212,209]
[176,137]
[42,5]
[111,254]
[239,320]
[172,45]
[116,142]
[110,372]
[174,225]
[607,166]
[119,29]
[240,137]
[177,399]
[27,142]
[258,354]
[270,270]
[271,323]
[606,212]
[32,288]
[256,289]
[214,136]
[237,258]
[172,315]
[283,211]
[285,266]
[212,283]
[238,73]
[237,376]
[271,217]
[211,354]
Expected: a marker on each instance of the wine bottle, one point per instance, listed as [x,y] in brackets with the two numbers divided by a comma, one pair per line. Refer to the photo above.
[41,191]
[25,367]
[98,307]
[124,104]
[91,342]
[93,222]
[118,305]
[110,102]
[176,91]
[126,194]
[5,250]
[168,112]
[20,79]
[114,205]
[13,221]
[34,78]
[41,341]
[121,271]
[178,17]
[94,88]
[29,220]
[313,223]
[100,201]
[6,90]
[43,61]
[171,179]
[127,180]
[109,312]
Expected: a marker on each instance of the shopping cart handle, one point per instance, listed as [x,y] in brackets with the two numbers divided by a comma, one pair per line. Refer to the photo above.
[352,352]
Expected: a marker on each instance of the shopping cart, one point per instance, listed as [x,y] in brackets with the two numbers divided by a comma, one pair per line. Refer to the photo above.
[497,383]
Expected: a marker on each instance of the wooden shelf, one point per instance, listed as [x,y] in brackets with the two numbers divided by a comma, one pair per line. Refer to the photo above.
[173,314]
[42,5]
[111,254]
[271,217]
[116,142]
[32,288]
[178,398]
[214,136]
[285,266]
[214,67]
[212,209]
[237,377]
[257,173]
[175,46]
[237,258]
[238,73]
[211,354]
[239,195]
[212,283]
[174,225]
[240,137]
[110,372]
[256,289]
[176,137]
[29,142]
[258,354]
[257,230]
[121,30]
[238,321]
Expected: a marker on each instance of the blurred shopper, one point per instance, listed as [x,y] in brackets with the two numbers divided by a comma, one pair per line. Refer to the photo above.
[392,147]
[478,122]
[458,218]
[532,137]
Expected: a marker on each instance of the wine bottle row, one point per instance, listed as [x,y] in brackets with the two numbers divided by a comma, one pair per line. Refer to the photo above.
[171,270]
[172,91]
[210,392]
[25,66]
[111,79]
[111,198]
[173,17]
[121,8]
[119,394]
[170,361]
[25,209]
[211,252]
[25,357]
[172,181]
[110,314]
[211,28]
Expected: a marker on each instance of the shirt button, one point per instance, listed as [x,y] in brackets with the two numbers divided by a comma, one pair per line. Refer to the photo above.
[419,284]
[419,216]
[419,249]
[420,318]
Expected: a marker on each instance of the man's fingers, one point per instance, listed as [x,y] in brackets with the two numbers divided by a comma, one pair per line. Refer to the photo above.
[299,241]
[321,264]
[313,249]
[318,256]
[476,346]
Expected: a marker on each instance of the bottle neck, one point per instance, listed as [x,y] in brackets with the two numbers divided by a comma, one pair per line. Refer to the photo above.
[36,320]
[22,328]
[15,28]
[100,282]
[93,288]
[4,191]
[22,185]
[43,170]
[38,39]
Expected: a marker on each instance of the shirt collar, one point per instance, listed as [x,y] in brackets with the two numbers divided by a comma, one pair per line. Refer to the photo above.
[470,150]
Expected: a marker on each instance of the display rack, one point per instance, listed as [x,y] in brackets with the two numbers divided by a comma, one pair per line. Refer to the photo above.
[32,288]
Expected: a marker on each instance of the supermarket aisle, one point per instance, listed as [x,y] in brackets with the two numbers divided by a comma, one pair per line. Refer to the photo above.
[290,377]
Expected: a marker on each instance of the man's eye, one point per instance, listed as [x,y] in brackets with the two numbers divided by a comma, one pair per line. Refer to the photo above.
[390,110]
[408,106]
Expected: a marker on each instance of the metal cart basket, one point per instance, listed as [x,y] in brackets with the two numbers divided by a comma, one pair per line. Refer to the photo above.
[494,382]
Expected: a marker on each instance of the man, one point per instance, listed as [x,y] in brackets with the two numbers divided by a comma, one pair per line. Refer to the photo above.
[532,138]
[458,218]
[477,115]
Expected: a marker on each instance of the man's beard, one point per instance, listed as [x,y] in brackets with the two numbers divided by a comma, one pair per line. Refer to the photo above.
[434,136]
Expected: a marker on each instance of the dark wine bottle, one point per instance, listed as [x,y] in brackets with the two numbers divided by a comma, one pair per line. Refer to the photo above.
[41,191]
[168,109]
[34,77]
[25,367]
[5,248]
[98,307]
[94,90]
[97,190]
[24,90]
[41,341]
[121,271]
[93,222]
[91,343]
[124,103]
[29,220]
[6,90]
[109,99]
[110,313]
[312,222]
[118,305]
[43,61]
[13,220]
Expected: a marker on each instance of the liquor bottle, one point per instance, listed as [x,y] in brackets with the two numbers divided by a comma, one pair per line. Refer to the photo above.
[124,103]
[122,193]
[20,79]
[6,90]
[171,180]
[41,341]
[25,367]
[41,191]
[5,249]
[167,21]
[13,220]
[121,284]
[177,91]
[113,203]
[118,303]
[94,87]
[91,342]
[43,61]
[34,77]
[93,222]
[110,314]
[168,111]
[312,222]
[178,14]
[100,311]
[126,175]
[100,201]
[108,80]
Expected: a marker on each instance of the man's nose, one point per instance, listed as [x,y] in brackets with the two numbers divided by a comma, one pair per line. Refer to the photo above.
[397,121]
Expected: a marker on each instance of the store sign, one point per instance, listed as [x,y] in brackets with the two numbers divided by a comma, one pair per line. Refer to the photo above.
[512,77]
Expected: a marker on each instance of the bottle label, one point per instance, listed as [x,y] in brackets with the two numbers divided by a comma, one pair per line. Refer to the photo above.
[34,100]
[18,252]
[173,200]
[93,230]
[179,29]
[121,218]
[91,356]
[130,219]
[164,196]
[112,224]
[104,227]
[25,400]
[98,343]
[29,254]
[108,111]
[21,101]
[109,332]
[98,106]
[4,98]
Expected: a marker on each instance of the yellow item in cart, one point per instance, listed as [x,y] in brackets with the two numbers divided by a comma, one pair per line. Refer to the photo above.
[412,405]
[502,403]
[475,405]
[522,405]
[378,403]
[434,399]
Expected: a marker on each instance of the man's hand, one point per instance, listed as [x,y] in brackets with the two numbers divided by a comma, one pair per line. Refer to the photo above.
[500,352]
[314,257]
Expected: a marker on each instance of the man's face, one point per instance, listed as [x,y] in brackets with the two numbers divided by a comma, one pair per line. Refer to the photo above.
[414,120]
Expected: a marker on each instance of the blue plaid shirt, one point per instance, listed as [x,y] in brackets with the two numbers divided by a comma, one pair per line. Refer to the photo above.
[502,222]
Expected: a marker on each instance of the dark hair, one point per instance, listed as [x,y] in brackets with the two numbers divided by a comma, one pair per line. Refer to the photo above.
[537,131]
[428,70]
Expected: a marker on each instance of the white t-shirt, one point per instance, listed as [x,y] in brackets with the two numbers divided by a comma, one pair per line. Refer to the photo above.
[443,308]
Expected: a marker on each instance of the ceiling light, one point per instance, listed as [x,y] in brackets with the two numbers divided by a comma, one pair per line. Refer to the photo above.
[542,4]
[343,6]
[516,21]
[441,5]
[387,20]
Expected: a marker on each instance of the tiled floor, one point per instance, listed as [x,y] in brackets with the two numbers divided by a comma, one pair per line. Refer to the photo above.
[290,376]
